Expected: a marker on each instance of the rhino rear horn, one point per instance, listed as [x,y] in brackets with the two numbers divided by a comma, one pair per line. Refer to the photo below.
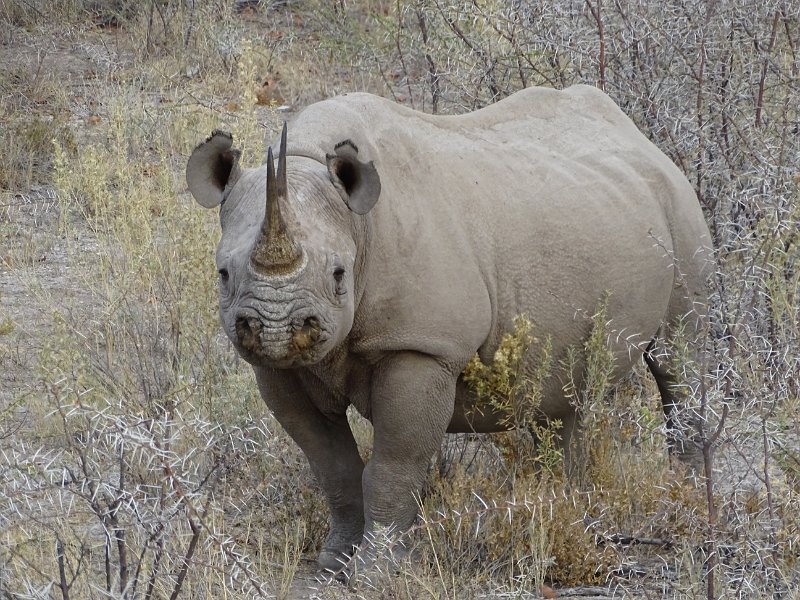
[358,183]
[213,169]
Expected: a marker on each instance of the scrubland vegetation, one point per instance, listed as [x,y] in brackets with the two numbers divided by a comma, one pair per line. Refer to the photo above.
[136,458]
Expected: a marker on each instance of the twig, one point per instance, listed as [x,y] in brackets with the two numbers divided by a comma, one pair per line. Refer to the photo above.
[400,55]
[190,28]
[187,559]
[597,14]
[625,540]
[119,532]
[708,443]
[432,73]
[764,67]
[489,64]
[62,571]
[34,9]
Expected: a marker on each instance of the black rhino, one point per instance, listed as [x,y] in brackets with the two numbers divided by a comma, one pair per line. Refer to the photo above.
[391,245]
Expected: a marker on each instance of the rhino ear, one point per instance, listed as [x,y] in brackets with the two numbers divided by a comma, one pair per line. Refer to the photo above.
[358,183]
[213,169]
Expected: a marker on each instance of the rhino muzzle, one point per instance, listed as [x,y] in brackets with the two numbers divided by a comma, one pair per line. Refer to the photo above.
[296,343]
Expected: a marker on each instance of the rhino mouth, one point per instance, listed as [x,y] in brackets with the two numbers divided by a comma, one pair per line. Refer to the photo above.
[301,342]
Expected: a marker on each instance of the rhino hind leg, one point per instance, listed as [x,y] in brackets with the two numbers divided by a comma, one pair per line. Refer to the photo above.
[682,434]
[674,356]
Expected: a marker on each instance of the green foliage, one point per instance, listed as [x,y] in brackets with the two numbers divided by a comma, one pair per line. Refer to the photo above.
[503,386]
[589,382]
[514,396]
[591,373]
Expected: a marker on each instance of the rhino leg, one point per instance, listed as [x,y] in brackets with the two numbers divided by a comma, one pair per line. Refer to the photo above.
[685,324]
[329,446]
[681,426]
[412,398]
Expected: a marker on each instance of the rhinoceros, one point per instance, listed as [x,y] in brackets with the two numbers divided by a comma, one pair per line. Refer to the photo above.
[390,246]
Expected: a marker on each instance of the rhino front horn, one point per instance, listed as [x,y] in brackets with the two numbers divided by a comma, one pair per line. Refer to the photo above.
[275,251]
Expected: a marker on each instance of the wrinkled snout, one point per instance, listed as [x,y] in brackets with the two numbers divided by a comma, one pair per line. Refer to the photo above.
[291,344]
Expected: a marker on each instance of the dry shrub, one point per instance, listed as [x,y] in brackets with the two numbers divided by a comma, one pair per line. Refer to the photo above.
[29,144]
[144,448]
[537,533]
[514,520]
[26,130]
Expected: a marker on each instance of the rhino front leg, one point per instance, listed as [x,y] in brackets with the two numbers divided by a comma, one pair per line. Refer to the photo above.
[412,403]
[329,446]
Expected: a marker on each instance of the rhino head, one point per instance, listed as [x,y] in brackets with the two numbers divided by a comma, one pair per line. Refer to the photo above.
[289,247]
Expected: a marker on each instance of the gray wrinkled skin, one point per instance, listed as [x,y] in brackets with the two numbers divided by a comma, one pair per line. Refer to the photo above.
[538,204]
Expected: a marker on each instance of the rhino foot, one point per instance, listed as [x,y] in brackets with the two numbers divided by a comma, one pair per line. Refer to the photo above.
[365,569]
[332,561]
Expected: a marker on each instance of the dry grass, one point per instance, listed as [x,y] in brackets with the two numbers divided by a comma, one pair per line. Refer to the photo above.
[136,459]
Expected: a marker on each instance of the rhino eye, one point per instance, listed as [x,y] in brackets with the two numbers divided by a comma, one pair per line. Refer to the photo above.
[338,277]
[224,275]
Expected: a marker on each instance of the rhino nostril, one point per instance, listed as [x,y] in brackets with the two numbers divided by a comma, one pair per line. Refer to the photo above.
[248,330]
[242,325]
[305,337]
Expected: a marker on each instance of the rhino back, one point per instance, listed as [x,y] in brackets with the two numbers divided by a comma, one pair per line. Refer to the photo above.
[537,204]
